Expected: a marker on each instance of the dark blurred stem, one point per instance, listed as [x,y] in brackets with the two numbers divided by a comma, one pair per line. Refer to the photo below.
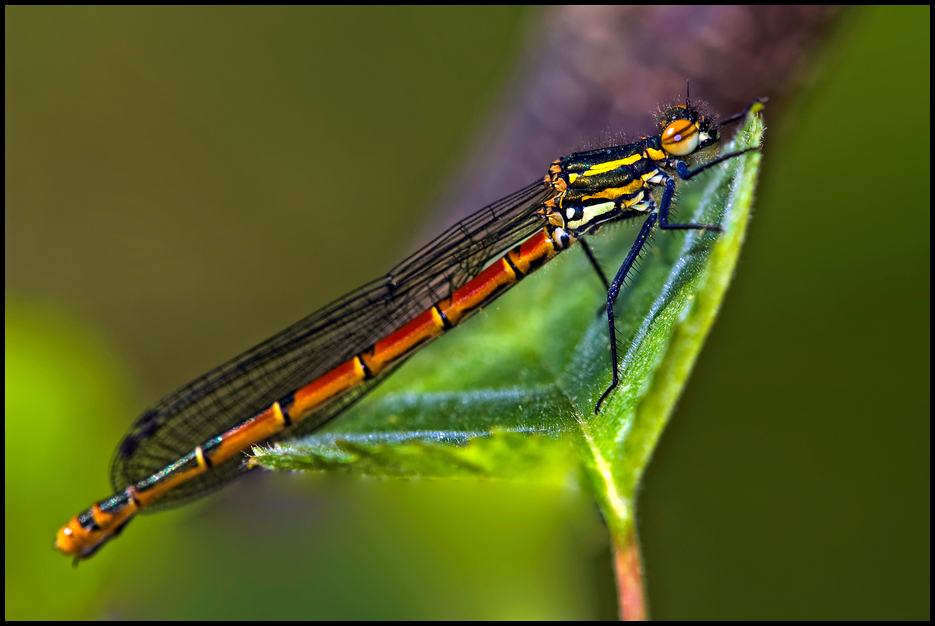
[628,567]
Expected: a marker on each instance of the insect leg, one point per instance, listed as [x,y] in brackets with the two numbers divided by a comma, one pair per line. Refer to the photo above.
[664,212]
[742,114]
[685,173]
[594,263]
[612,293]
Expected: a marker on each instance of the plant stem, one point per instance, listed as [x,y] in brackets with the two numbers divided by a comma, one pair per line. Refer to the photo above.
[628,567]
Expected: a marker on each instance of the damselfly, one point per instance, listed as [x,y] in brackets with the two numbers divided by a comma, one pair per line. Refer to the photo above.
[192,441]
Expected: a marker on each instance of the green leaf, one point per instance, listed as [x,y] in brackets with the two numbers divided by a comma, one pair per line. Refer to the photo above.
[512,394]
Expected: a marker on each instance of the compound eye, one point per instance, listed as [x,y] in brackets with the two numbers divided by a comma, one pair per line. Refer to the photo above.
[680,138]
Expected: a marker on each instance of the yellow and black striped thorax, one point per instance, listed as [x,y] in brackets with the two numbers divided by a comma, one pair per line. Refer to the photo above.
[602,185]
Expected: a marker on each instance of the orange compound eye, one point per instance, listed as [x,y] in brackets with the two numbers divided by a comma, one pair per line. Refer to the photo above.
[680,138]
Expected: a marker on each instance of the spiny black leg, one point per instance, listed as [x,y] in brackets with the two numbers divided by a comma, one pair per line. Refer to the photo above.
[664,213]
[742,114]
[612,293]
[685,173]
[595,264]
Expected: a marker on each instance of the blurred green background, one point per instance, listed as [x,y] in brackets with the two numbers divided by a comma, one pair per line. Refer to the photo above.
[181,184]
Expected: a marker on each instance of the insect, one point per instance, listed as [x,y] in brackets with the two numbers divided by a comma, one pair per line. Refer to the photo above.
[192,441]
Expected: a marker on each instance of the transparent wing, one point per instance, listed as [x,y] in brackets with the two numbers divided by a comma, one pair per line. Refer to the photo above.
[251,382]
